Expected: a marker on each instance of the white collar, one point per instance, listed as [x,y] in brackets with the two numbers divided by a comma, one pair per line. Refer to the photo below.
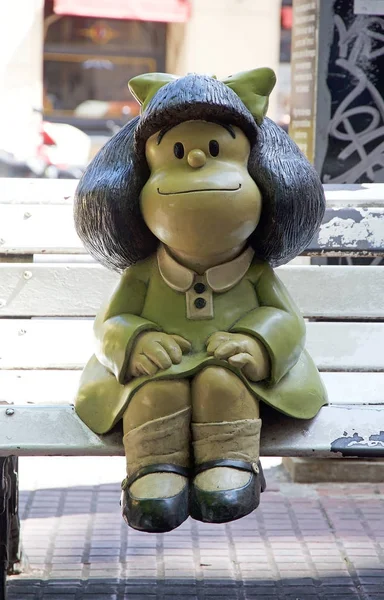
[220,278]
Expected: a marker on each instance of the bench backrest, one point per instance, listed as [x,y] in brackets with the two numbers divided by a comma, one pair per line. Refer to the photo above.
[50,288]
[36,220]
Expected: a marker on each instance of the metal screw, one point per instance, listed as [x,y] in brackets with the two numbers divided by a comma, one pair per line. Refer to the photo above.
[27,215]
[9,412]
[27,275]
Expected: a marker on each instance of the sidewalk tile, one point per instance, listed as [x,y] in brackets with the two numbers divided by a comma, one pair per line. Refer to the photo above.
[306,542]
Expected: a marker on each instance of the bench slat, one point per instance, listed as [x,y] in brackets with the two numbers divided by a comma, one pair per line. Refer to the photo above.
[49,229]
[61,191]
[39,290]
[38,229]
[354,195]
[64,288]
[37,217]
[349,231]
[57,430]
[59,387]
[37,191]
[67,344]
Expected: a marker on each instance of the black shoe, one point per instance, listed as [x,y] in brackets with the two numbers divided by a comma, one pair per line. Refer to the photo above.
[227,505]
[155,515]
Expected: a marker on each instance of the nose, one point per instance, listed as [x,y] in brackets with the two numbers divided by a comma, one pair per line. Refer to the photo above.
[196,158]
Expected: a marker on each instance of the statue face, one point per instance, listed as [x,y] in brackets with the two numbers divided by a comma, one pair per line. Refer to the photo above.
[200,198]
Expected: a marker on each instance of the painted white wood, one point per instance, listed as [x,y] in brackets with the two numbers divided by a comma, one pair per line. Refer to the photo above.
[45,343]
[38,387]
[30,229]
[36,216]
[57,430]
[336,292]
[54,289]
[54,430]
[59,387]
[49,229]
[61,191]
[332,292]
[346,346]
[364,195]
[68,344]
[340,232]
[354,388]
[37,191]
[62,258]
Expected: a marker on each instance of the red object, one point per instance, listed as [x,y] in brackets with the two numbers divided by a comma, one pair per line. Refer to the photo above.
[47,139]
[170,11]
[286,17]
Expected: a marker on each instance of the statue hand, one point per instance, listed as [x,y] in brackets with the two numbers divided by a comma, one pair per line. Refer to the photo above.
[242,351]
[154,351]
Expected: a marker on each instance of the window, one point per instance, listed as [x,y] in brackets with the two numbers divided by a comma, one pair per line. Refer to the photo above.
[88,63]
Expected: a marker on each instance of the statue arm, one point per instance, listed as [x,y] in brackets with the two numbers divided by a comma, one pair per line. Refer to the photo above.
[119,323]
[276,324]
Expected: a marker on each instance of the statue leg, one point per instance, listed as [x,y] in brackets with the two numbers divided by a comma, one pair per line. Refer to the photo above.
[226,441]
[157,444]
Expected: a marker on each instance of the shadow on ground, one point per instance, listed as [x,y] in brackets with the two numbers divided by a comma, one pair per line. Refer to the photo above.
[325,588]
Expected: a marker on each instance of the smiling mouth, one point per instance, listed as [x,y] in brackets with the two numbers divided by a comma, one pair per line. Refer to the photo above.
[203,190]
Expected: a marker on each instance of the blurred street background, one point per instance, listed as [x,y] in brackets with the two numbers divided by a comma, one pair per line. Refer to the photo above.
[65,65]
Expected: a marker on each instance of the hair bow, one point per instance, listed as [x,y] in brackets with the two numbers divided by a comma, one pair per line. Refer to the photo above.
[253,88]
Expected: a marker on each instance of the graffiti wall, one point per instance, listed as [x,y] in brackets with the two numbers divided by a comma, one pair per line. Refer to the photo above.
[355,81]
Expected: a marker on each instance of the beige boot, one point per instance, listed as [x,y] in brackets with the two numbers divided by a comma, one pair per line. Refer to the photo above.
[228,474]
[155,492]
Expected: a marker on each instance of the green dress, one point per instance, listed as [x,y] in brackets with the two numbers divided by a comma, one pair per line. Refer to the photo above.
[158,294]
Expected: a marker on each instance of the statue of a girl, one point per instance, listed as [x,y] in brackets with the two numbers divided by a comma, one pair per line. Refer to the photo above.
[194,202]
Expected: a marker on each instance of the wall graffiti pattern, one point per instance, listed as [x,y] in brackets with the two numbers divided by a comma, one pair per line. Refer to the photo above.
[355,151]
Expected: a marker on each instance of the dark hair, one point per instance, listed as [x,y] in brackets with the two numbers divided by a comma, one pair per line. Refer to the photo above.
[107,202]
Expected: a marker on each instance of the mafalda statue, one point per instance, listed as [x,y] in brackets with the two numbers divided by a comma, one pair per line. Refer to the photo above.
[194,202]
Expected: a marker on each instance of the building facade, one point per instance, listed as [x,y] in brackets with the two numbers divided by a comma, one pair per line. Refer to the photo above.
[75,57]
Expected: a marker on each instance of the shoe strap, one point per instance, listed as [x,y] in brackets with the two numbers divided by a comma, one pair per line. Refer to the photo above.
[242,465]
[157,468]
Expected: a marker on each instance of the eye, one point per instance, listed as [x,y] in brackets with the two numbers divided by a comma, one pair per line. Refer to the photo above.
[178,150]
[214,148]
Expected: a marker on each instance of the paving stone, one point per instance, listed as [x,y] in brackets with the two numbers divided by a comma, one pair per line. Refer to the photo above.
[101,588]
[138,597]
[307,542]
[373,581]
[344,580]
[185,583]
[24,595]
[175,595]
[220,592]
[261,588]
[298,587]
[302,594]
[50,596]
[92,596]
[249,595]
[179,591]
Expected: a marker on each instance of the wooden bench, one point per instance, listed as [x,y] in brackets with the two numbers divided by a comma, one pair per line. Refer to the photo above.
[50,290]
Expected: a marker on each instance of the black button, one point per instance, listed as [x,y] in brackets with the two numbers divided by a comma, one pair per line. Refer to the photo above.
[200,303]
[199,288]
